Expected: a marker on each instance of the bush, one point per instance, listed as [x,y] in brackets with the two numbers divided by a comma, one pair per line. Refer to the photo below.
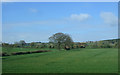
[4,54]
[82,46]
[67,48]
[29,52]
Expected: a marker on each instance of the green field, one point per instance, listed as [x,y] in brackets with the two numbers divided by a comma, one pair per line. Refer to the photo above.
[104,60]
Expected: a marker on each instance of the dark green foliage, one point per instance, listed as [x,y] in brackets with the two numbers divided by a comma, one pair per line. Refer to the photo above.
[29,52]
[4,54]
[61,39]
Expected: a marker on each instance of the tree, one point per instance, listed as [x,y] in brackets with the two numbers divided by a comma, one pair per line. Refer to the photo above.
[22,43]
[61,38]
[32,44]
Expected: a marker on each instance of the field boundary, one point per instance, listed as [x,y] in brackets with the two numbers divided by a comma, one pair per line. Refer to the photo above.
[25,52]
[60,74]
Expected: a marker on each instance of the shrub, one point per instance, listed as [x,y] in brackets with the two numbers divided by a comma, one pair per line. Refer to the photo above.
[67,48]
[4,54]
[29,52]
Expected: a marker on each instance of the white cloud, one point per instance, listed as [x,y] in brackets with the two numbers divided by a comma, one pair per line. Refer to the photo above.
[79,17]
[33,10]
[109,18]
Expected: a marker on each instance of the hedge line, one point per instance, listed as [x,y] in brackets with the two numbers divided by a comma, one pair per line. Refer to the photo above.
[20,53]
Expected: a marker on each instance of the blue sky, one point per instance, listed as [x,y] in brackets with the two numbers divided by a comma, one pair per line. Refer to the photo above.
[37,21]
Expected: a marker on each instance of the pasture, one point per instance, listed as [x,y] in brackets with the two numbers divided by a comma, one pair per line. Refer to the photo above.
[102,60]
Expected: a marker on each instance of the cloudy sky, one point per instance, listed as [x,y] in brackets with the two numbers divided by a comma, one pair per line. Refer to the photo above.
[37,21]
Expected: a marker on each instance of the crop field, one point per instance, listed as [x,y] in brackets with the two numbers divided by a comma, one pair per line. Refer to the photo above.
[103,60]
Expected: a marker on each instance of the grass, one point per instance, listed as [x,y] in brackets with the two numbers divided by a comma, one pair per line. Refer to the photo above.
[74,61]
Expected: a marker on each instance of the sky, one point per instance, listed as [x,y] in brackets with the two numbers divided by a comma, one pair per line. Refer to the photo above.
[60,0]
[37,21]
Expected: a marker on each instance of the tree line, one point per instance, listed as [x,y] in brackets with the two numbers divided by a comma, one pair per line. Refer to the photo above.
[64,41]
[113,43]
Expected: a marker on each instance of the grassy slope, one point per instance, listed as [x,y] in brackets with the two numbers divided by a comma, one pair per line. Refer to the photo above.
[74,61]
